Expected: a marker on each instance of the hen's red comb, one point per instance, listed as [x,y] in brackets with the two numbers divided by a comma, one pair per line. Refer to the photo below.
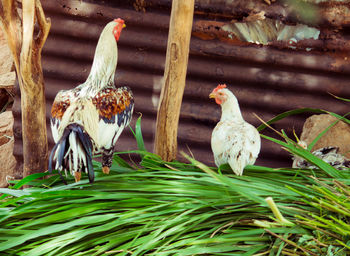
[220,86]
[119,20]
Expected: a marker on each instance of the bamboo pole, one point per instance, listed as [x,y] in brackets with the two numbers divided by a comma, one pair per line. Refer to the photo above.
[26,51]
[174,78]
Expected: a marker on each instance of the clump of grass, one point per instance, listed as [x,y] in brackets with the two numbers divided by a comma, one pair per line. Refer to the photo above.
[331,224]
[175,208]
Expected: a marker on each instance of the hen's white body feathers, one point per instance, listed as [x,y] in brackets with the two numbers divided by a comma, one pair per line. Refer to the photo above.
[235,144]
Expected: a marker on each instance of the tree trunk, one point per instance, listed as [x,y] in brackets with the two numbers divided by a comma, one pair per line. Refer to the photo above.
[174,78]
[26,50]
[35,151]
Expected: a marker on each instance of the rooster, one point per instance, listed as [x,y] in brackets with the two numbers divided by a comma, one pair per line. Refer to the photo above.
[233,141]
[89,119]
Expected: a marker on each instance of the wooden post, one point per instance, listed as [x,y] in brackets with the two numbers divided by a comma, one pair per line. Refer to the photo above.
[174,78]
[26,51]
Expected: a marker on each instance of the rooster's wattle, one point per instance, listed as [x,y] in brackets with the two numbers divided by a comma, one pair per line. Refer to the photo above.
[233,141]
[89,119]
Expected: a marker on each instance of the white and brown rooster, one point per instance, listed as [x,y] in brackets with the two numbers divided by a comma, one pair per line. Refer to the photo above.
[233,141]
[89,119]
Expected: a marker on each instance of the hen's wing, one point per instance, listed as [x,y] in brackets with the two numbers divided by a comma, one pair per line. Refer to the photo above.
[237,145]
[253,144]
[115,107]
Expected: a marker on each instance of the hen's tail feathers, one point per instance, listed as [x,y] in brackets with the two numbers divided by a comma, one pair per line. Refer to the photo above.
[64,159]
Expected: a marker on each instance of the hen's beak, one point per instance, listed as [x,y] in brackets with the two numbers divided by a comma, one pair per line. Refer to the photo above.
[124,26]
[212,95]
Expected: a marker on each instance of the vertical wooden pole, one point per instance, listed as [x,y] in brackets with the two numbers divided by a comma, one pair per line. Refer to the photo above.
[174,78]
[26,51]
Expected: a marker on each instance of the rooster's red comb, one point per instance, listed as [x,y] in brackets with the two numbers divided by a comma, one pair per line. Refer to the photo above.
[119,20]
[220,86]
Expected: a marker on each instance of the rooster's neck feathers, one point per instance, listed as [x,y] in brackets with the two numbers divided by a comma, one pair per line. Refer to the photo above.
[230,109]
[105,62]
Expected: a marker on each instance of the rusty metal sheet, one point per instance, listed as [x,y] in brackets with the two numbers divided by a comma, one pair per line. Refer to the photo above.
[267,80]
[323,13]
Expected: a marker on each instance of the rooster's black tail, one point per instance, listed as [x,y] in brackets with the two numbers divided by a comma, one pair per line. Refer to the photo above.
[73,152]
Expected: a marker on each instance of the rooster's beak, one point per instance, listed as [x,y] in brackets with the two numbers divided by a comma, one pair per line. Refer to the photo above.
[124,26]
[212,95]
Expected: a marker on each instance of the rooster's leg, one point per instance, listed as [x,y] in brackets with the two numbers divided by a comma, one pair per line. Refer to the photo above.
[77,176]
[105,169]
[107,157]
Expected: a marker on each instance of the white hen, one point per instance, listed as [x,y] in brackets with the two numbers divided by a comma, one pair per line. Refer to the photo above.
[233,141]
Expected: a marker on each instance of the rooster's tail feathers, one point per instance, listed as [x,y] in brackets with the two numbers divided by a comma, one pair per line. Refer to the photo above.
[73,151]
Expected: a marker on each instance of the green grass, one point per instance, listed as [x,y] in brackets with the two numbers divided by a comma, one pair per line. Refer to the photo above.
[174,208]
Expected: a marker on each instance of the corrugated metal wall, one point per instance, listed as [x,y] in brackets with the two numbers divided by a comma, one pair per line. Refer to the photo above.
[266,80]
